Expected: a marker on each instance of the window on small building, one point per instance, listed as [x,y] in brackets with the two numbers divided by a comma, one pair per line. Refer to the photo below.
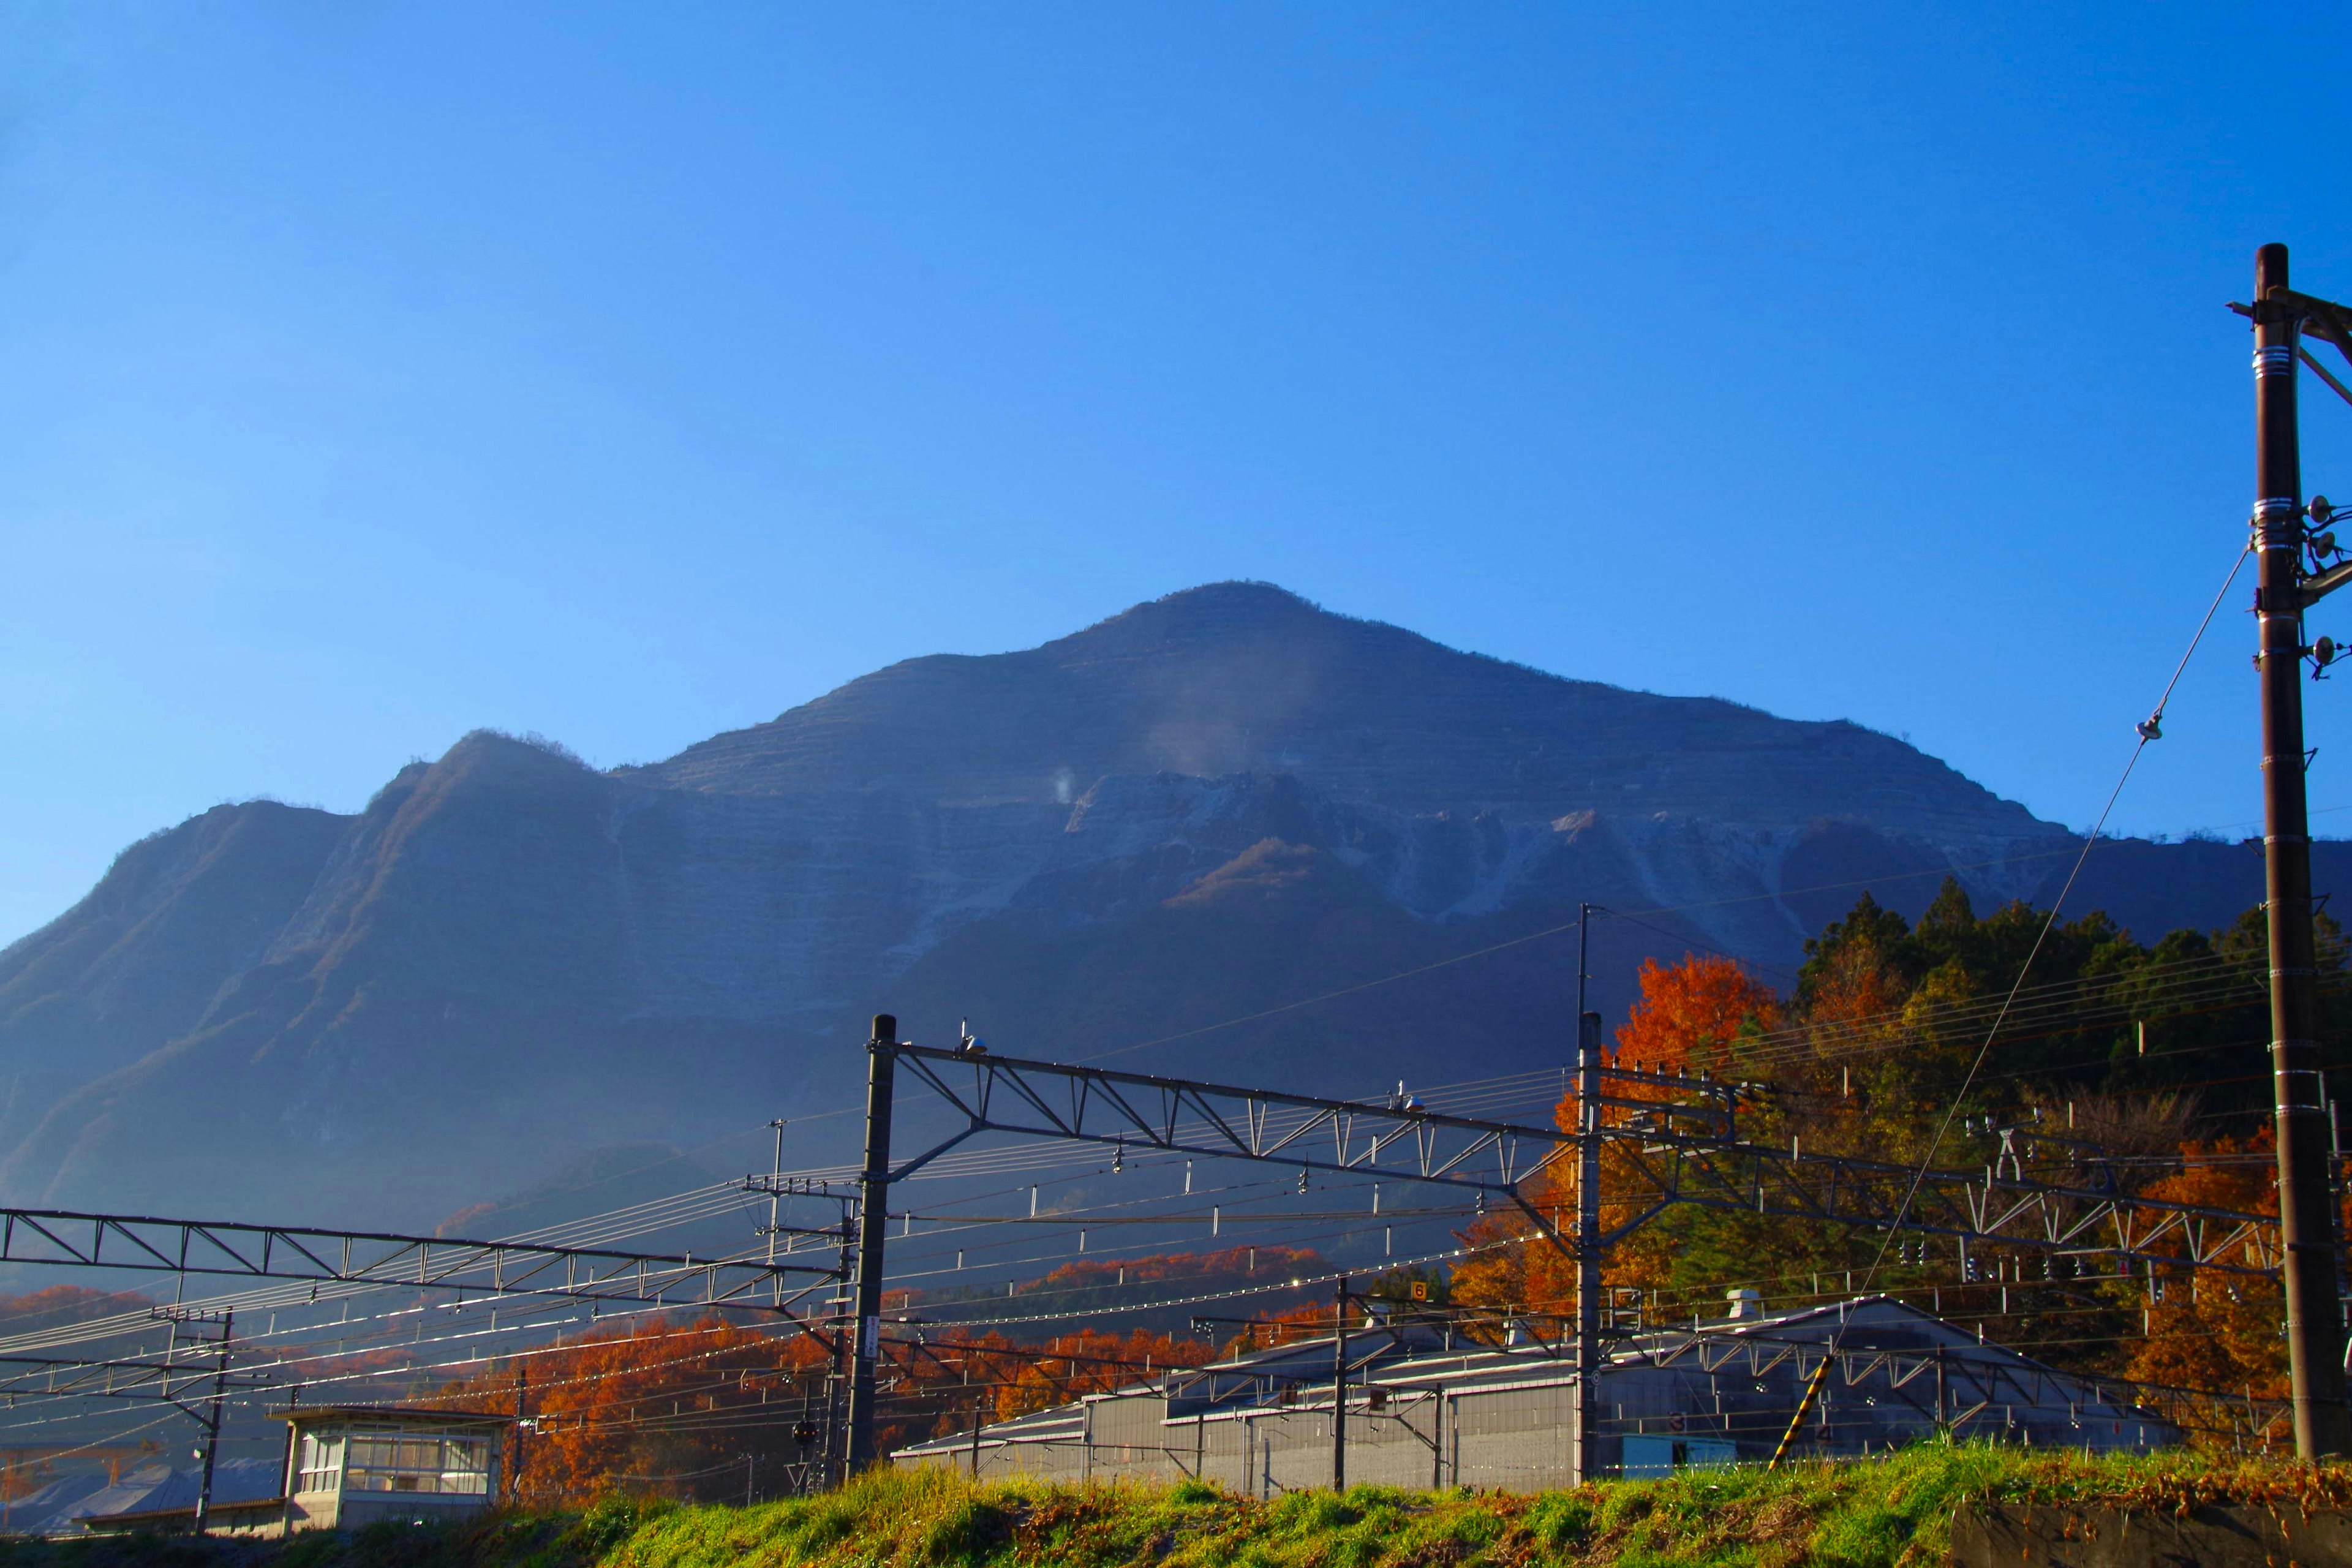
[405,1462]
[323,1460]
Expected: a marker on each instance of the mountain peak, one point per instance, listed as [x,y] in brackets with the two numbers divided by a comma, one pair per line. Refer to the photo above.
[1244,678]
[1239,610]
[1238,591]
[1238,598]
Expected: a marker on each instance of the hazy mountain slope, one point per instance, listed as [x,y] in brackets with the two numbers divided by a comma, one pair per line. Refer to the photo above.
[451,1007]
[1214,806]
[140,959]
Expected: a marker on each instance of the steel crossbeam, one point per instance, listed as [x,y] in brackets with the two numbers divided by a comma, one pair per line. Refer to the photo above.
[1977,1383]
[1094,1105]
[166,1379]
[151,1245]
[1998,1204]
[1679,1136]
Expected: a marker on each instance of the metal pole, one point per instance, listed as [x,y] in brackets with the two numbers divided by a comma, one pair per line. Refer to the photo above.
[522,1415]
[293,1466]
[835,1462]
[1437,1441]
[776,1191]
[1588,1216]
[2314,1314]
[1339,1385]
[873,1220]
[213,1426]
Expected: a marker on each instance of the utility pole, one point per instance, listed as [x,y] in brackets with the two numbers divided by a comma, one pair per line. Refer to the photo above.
[212,1425]
[1588,1215]
[523,1425]
[291,1467]
[838,1359]
[1339,1385]
[873,1220]
[776,1192]
[2315,1312]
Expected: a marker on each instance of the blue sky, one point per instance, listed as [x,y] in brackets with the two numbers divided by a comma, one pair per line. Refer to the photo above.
[377,371]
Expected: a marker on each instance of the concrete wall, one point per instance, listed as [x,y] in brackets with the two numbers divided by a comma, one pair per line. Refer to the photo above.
[353,1511]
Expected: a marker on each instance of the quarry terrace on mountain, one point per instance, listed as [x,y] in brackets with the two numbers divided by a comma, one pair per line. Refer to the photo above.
[1212,805]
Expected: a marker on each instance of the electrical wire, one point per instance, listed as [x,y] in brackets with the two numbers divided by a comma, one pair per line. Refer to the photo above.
[2151,728]
[2148,729]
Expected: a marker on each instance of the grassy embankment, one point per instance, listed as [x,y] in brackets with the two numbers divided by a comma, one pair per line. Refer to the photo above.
[1891,1511]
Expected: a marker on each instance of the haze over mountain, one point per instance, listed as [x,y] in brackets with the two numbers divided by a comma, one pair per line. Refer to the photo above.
[1219,803]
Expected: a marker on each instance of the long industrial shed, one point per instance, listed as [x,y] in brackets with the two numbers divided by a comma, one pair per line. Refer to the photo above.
[1423,1410]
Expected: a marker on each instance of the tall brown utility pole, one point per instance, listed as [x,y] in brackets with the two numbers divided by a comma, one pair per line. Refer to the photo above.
[2315,1310]
[873,1217]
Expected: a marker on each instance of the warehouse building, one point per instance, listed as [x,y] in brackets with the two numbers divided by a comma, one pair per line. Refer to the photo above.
[1424,1410]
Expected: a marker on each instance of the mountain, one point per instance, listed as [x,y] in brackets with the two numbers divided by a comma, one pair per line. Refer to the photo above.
[1216,804]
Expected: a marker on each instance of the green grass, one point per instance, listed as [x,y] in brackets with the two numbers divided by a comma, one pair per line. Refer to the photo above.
[1888,1512]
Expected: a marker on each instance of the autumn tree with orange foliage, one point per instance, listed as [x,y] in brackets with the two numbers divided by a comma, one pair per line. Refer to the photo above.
[2215,1331]
[1091,1361]
[655,1408]
[696,1410]
[1879,1051]
[1690,1017]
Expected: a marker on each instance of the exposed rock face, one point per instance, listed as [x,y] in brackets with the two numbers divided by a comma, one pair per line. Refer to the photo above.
[1223,802]
[1459,786]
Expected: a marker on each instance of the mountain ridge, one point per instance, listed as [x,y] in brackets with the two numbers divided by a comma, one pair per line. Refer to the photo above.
[1207,807]
[1203,655]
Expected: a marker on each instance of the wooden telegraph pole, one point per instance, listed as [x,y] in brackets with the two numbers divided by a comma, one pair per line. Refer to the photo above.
[2307,1228]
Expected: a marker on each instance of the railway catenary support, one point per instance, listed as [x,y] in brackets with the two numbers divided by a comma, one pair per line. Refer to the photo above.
[473,1269]
[1685,1151]
[873,1222]
[1587,1415]
[1339,1385]
[150,1245]
[776,1186]
[215,1408]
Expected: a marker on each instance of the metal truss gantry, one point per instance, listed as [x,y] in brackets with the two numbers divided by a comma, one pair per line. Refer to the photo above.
[151,1245]
[481,1269]
[1678,1135]
[1685,1152]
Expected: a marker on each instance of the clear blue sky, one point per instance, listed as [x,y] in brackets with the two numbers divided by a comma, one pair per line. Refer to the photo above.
[375,372]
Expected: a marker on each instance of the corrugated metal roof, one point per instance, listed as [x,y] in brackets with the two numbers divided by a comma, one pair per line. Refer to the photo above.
[1404,1356]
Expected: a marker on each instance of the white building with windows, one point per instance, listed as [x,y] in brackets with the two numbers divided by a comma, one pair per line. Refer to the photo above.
[346,1467]
[349,1465]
